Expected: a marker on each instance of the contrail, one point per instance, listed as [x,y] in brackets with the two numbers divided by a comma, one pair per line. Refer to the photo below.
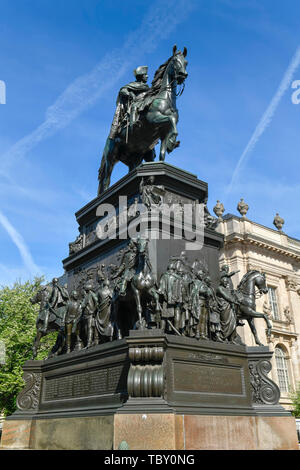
[162,18]
[21,245]
[267,116]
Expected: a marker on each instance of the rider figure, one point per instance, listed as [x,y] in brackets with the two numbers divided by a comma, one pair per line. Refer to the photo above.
[228,275]
[58,298]
[127,96]
[126,271]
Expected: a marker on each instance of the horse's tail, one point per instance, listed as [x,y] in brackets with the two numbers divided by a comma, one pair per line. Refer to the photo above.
[105,166]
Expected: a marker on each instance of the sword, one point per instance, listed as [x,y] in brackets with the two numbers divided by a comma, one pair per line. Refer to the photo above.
[172,326]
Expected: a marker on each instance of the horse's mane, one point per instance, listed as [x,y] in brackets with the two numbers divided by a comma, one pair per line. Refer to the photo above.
[158,77]
[246,277]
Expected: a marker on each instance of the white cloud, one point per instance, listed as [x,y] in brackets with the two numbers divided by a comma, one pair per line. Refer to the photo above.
[266,117]
[83,92]
[18,240]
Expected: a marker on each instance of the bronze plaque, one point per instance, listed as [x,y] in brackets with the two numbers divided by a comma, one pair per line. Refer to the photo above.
[208,378]
[91,383]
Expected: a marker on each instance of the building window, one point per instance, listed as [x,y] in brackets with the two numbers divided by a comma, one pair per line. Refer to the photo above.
[273,302]
[282,369]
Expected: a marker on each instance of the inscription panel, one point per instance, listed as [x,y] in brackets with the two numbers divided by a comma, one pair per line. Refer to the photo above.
[208,378]
[84,384]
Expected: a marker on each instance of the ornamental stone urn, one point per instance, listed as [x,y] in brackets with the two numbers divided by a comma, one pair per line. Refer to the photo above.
[219,210]
[242,207]
[278,222]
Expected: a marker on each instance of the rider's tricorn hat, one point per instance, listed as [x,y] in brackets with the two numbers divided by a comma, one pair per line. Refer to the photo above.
[141,70]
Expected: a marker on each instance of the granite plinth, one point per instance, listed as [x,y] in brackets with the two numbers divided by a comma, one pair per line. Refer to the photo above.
[155,391]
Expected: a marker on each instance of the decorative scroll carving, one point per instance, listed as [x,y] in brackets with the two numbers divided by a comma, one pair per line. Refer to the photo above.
[264,390]
[29,397]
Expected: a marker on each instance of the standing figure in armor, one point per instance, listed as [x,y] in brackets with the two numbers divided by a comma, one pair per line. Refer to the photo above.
[214,315]
[72,321]
[89,309]
[184,273]
[168,289]
[198,322]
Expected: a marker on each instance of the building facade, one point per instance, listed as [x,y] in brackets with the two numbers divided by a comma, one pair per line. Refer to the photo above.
[247,246]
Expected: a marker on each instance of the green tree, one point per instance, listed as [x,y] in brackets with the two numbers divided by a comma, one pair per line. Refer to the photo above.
[17,332]
[295,397]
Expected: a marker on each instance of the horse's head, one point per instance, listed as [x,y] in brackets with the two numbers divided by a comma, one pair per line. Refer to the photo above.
[253,279]
[40,295]
[179,64]
[260,282]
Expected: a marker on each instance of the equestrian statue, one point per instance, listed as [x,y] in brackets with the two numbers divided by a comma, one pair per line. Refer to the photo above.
[144,116]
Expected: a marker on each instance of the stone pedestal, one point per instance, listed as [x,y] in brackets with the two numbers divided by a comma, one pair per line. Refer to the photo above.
[154,391]
[203,432]
[176,187]
[150,389]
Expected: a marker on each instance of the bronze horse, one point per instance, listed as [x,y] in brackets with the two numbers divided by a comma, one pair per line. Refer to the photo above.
[140,289]
[55,323]
[158,117]
[247,306]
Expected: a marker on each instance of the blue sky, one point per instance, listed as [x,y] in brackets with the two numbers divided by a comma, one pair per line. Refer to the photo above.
[63,63]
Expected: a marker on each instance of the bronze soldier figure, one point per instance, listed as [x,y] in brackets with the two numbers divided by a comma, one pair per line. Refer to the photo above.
[89,309]
[168,291]
[72,321]
[198,322]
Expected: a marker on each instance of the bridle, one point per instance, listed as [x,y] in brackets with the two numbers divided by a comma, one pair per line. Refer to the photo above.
[255,294]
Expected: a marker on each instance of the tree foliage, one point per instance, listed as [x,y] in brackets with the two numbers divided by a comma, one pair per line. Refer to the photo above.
[17,332]
[295,397]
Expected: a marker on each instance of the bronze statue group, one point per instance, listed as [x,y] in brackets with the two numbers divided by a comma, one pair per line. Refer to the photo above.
[183,302]
[192,307]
